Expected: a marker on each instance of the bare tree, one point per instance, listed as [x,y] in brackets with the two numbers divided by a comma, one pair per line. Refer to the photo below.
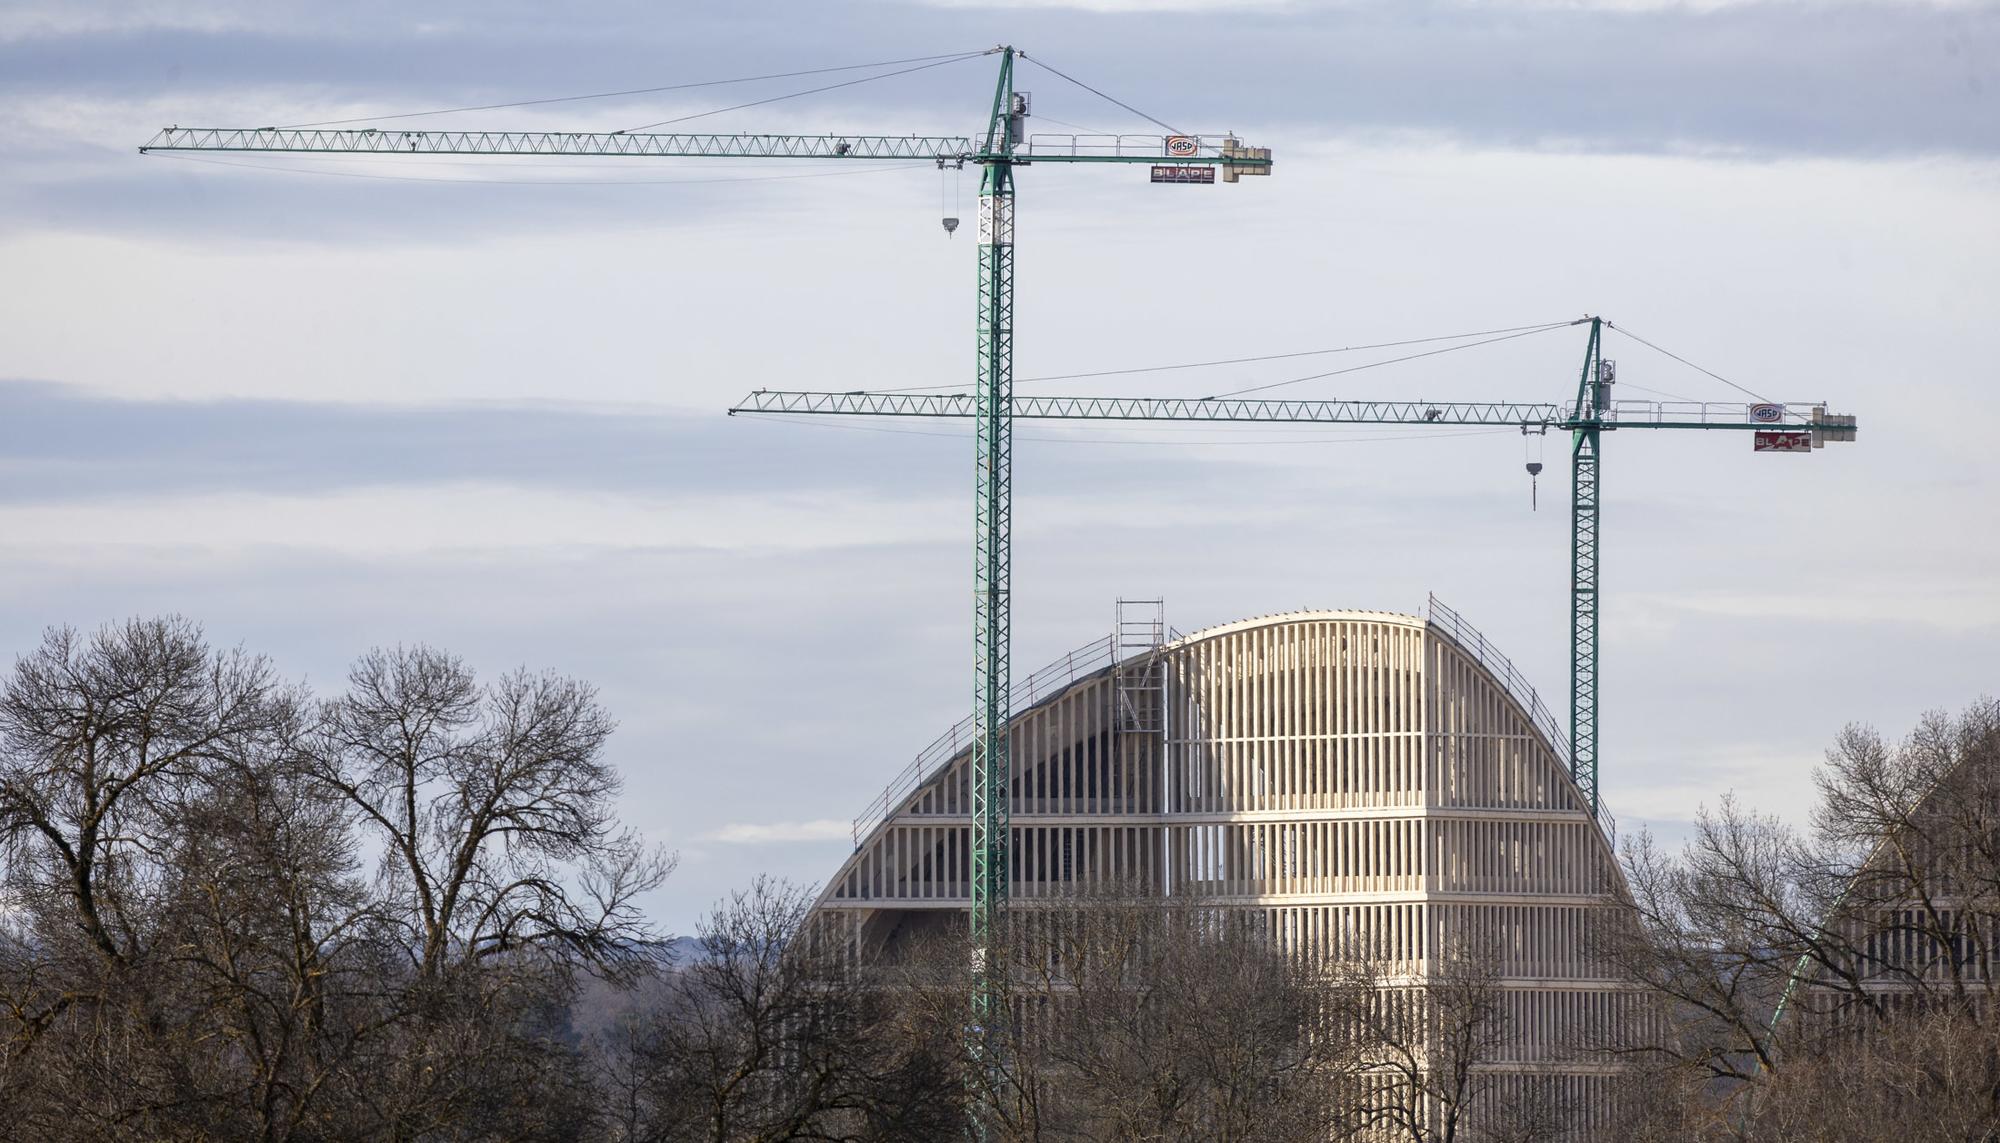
[187,951]
[769,1035]
[1721,928]
[1914,828]
[1799,969]
[103,736]
[493,808]
[1133,1018]
[110,745]
[269,946]
[502,871]
[1913,1076]
[1430,1041]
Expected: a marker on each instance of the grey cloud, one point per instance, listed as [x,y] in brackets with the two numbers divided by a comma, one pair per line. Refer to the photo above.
[1758,79]
[272,200]
[64,444]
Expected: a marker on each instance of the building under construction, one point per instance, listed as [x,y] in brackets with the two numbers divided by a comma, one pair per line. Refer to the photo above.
[1369,787]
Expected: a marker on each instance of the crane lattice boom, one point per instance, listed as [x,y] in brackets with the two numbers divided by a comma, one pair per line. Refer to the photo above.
[1618,414]
[1199,150]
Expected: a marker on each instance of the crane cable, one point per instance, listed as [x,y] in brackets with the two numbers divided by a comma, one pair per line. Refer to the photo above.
[1248,360]
[1685,361]
[1163,125]
[946,58]
[1490,336]
[1389,361]
[797,94]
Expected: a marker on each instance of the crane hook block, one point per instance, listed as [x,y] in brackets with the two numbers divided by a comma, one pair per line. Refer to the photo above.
[950,225]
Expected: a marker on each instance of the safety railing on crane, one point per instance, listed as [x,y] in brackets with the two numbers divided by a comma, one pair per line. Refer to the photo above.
[1162,147]
[1793,414]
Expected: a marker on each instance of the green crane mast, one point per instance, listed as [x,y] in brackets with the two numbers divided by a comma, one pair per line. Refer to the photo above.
[1779,427]
[1587,417]
[1002,147]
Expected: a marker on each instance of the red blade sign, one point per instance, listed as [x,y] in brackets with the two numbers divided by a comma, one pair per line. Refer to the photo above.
[1766,441]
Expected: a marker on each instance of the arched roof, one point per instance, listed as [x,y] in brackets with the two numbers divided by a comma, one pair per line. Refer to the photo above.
[1391,618]
[1484,660]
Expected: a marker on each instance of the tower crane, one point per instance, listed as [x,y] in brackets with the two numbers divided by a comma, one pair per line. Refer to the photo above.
[1778,427]
[1003,146]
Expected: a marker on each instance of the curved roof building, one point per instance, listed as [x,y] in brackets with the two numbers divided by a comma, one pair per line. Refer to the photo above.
[1374,787]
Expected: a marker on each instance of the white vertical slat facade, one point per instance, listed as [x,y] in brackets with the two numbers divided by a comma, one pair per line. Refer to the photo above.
[1357,780]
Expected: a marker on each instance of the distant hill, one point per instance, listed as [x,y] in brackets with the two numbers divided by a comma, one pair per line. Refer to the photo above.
[600,1005]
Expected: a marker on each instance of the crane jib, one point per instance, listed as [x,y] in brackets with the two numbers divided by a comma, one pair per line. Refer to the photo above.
[606,143]
[1620,414]
[1223,152]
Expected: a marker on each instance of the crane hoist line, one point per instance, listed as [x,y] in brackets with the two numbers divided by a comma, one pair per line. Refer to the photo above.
[1002,146]
[1775,427]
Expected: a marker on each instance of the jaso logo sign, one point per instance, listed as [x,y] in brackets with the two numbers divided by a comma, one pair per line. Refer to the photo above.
[1181,146]
[1767,414]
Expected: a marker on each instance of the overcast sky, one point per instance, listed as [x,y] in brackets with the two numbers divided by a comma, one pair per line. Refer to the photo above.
[325,404]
